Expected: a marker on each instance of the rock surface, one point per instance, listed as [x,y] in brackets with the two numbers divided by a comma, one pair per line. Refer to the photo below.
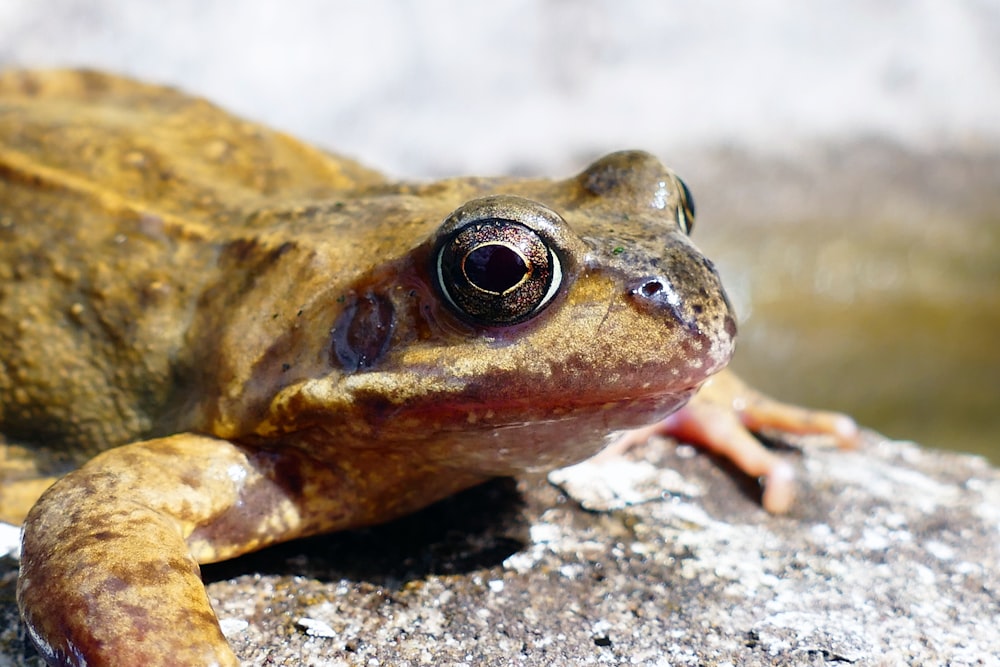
[890,557]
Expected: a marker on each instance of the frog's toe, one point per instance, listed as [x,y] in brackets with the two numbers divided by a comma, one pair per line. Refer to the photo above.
[763,413]
[717,429]
[759,412]
[779,488]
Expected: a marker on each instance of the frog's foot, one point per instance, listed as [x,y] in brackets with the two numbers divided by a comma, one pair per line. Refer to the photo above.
[720,419]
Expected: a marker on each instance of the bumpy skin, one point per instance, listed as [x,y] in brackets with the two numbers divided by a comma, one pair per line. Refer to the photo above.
[246,340]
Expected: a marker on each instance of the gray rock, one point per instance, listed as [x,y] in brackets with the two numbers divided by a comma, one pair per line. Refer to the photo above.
[890,557]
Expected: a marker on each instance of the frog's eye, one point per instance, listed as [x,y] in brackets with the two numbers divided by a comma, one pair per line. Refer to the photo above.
[685,214]
[497,272]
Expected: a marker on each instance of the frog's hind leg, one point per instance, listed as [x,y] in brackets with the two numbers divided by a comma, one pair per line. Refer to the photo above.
[22,481]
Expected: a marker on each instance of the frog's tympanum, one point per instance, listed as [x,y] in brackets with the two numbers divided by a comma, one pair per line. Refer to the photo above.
[237,340]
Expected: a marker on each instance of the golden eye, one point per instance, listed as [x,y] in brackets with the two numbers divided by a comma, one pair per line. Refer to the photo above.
[495,271]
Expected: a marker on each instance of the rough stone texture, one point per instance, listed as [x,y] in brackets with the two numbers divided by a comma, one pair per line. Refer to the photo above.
[890,558]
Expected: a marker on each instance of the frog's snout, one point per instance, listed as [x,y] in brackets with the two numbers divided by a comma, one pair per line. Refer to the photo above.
[702,314]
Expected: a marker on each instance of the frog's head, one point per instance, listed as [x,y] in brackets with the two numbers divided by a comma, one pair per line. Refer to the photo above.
[536,318]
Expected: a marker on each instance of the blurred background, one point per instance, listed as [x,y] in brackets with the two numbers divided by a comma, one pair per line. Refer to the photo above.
[844,154]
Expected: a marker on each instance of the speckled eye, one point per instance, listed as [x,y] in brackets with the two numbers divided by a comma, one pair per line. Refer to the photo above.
[495,271]
[685,214]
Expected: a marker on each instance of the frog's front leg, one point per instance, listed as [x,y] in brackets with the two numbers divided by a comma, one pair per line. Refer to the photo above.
[109,569]
[720,419]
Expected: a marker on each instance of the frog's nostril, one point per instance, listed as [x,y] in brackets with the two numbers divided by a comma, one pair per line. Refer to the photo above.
[657,291]
[656,295]
[651,288]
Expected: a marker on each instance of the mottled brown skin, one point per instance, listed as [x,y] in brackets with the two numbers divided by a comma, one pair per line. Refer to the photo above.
[245,340]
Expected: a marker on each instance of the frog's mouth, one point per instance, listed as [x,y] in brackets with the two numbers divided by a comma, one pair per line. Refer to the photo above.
[508,436]
[609,412]
[562,436]
[467,428]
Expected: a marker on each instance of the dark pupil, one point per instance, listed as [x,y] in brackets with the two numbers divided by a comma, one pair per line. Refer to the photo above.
[494,268]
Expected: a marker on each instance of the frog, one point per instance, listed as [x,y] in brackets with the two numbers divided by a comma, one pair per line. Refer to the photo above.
[215,338]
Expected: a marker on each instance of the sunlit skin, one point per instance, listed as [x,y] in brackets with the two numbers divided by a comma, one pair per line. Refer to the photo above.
[237,340]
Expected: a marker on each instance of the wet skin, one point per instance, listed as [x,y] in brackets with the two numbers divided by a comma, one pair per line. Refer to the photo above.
[236,339]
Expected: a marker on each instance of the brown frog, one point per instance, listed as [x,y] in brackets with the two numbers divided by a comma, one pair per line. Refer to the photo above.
[244,340]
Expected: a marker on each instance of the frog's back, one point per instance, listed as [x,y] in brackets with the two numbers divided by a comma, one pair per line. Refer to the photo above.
[113,194]
[153,147]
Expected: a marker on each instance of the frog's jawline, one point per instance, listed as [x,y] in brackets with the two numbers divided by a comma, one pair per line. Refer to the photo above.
[484,438]
[643,409]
